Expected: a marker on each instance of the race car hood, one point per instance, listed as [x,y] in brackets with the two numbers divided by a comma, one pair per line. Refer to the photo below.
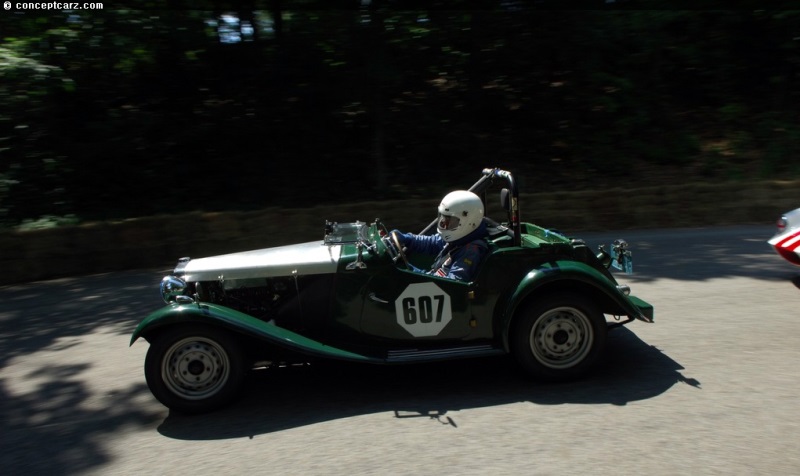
[292,260]
[787,244]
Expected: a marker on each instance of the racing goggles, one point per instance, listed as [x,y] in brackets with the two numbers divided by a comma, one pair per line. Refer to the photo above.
[447,222]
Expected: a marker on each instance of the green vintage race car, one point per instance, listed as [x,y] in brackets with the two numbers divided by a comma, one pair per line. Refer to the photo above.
[544,298]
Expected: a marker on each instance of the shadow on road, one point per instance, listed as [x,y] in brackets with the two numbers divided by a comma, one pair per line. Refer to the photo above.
[699,254]
[57,425]
[284,398]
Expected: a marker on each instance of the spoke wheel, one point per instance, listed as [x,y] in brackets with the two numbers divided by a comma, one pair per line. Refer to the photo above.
[194,369]
[394,248]
[559,338]
[399,248]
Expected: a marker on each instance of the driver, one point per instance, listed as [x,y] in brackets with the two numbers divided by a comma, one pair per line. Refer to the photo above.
[461,242]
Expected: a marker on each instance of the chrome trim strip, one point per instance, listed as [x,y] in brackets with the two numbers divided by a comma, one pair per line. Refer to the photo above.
[454,352]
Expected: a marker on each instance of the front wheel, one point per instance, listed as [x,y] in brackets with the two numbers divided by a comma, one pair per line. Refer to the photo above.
[194,369]
[559,337]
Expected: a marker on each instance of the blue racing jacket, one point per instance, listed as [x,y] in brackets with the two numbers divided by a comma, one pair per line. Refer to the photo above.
[457,260]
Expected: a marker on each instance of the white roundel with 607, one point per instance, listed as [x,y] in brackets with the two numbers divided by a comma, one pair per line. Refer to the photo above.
[423,309]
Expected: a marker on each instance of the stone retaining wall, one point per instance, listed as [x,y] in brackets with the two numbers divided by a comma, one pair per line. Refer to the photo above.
[159,241]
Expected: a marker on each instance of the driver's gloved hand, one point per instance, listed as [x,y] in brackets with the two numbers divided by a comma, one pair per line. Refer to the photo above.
[403,238]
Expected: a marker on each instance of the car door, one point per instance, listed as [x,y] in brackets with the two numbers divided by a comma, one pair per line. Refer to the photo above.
[403,305]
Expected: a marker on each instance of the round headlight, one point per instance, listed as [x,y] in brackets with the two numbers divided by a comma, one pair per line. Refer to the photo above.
[171,288]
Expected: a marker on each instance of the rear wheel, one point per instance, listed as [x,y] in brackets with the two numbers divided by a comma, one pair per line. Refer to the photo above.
[560,337]
[194,369]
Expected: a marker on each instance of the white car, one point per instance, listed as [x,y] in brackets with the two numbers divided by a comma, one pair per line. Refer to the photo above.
[787,237]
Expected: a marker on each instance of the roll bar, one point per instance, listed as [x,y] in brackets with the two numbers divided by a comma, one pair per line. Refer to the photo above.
[488,178]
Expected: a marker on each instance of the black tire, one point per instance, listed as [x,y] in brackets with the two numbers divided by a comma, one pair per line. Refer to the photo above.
[559,337]
[194,369]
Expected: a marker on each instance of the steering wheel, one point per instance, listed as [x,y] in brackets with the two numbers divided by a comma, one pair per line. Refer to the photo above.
[399,248]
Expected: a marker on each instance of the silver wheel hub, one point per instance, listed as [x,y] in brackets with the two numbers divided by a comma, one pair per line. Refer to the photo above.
[561,337]
[195,368]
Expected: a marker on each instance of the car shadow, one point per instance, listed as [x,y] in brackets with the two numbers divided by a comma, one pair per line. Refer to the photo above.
[291,397]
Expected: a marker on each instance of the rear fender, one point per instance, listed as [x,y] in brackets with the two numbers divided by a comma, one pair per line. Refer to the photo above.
[243,323]
[573,276]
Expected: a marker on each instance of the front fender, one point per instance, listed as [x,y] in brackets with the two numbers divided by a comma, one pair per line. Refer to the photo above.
[232,319]
[563,275]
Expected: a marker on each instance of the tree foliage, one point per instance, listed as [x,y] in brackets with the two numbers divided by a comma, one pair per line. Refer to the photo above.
[157,109]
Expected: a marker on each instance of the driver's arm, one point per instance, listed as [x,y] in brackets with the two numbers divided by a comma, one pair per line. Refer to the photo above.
[424,244]
[463,263]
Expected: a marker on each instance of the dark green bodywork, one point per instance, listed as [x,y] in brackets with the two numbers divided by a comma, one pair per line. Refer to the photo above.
[359,318]
[235,320]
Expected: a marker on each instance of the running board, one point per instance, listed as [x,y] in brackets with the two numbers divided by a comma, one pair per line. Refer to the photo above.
[416,355]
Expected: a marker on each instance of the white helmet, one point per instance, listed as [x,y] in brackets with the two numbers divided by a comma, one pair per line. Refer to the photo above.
[460,213]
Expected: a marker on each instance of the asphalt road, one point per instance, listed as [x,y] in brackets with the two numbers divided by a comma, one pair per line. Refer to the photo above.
[710,388]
